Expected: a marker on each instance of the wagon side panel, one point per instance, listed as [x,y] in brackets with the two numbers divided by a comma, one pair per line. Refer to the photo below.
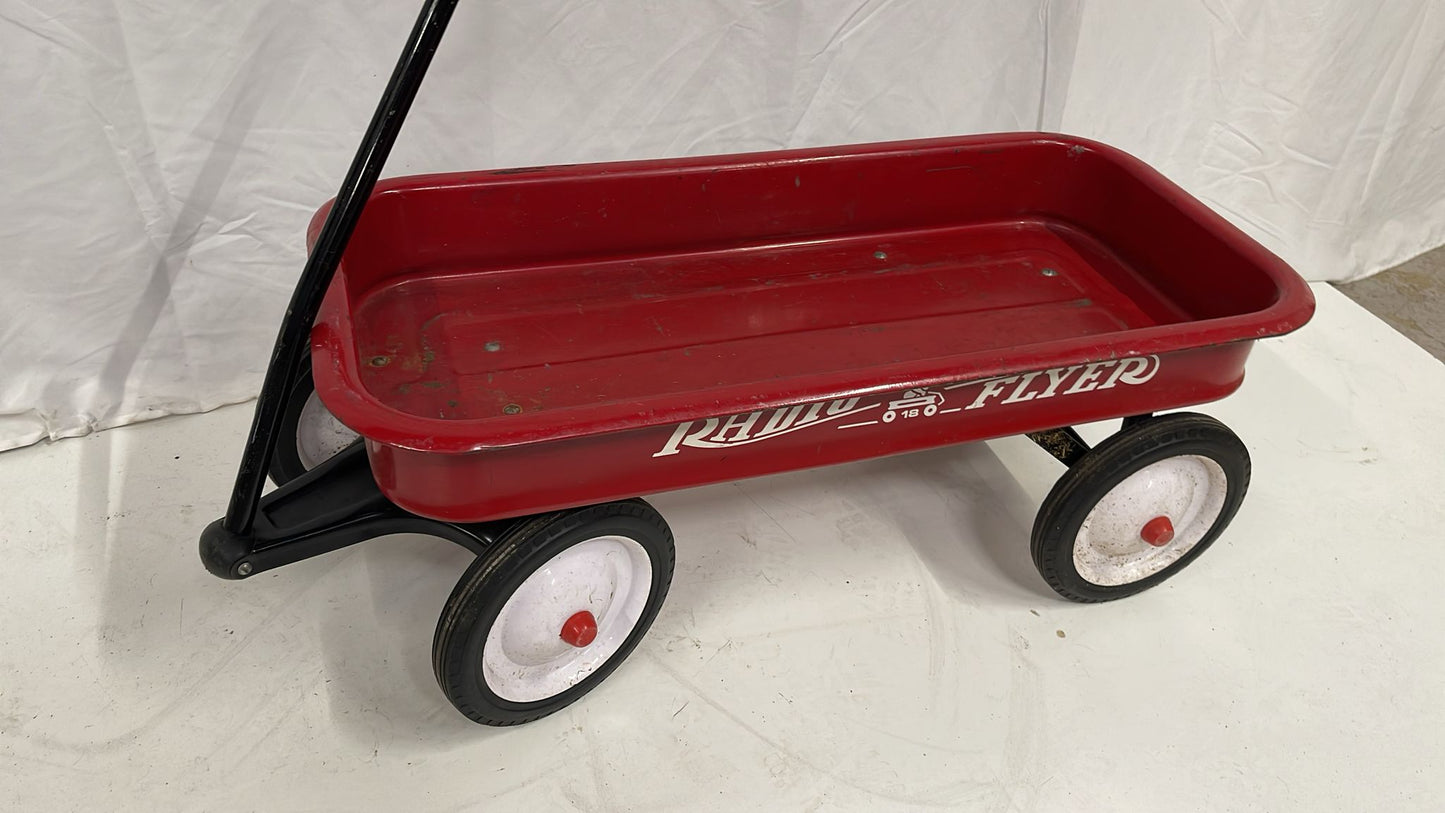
[517,480]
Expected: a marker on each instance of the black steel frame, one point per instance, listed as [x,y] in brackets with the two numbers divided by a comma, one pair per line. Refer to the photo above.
[338,503]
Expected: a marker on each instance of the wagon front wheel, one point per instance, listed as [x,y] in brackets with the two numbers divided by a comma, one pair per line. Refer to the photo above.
[309,434]
[1140,507]
[548,612]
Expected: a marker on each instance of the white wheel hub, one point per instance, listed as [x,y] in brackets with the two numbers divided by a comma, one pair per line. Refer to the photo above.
[567,619]
[1149,520]
[319,435]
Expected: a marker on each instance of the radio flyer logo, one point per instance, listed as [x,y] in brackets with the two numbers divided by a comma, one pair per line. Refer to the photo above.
[751,427]
[914,404]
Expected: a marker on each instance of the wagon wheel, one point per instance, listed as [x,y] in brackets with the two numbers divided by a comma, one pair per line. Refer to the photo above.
[309,434]
[551,609]
[1140,507]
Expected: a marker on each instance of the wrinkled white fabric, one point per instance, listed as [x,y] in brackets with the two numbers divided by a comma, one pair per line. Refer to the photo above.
[159,160]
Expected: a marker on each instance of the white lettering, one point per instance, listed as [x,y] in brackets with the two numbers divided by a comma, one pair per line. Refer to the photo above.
[680,436]
[812,414]
[1145,372]
[1090,377]
[781,419]
[1127,366]
[1018,393]
[733,430]
[743,424]
[1056,377]
[991,387]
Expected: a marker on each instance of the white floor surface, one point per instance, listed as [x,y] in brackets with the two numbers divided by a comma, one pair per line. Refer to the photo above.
[867,637]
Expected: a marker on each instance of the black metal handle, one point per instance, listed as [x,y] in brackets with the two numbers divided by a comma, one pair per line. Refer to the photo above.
[293,339]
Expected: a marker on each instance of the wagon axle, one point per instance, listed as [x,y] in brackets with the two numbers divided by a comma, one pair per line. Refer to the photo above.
[580,629]
[1158,531]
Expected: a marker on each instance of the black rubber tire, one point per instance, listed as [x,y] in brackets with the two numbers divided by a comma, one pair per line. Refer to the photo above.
[1132,448]
[483,590]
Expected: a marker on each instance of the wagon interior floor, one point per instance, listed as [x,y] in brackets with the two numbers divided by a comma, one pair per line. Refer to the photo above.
[466,343]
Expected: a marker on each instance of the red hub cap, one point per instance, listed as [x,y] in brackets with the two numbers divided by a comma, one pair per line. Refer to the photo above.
[580,630]
[1158,532]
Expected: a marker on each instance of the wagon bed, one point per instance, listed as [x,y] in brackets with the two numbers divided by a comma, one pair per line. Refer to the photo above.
[480,310]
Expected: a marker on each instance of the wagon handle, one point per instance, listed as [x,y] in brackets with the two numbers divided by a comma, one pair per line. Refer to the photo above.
[293,340]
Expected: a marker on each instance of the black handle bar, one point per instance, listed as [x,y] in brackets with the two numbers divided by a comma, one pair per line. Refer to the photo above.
[293,340]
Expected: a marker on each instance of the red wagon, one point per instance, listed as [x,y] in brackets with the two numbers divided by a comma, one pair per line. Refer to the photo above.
[523,352]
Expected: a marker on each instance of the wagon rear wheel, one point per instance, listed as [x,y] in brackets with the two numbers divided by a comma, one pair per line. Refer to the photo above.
[551,609]
[309,434]
[1140,507]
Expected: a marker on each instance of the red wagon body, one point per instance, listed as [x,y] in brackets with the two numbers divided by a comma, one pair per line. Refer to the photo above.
[520,341]
[524,352]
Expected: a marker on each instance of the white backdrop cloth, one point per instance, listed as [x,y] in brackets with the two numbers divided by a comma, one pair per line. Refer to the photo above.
[159,159]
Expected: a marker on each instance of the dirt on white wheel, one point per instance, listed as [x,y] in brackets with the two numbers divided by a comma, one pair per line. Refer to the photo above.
[567,619]
[319,434]
[1150,520]
[310,434]
[1140,507]
[551,609]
